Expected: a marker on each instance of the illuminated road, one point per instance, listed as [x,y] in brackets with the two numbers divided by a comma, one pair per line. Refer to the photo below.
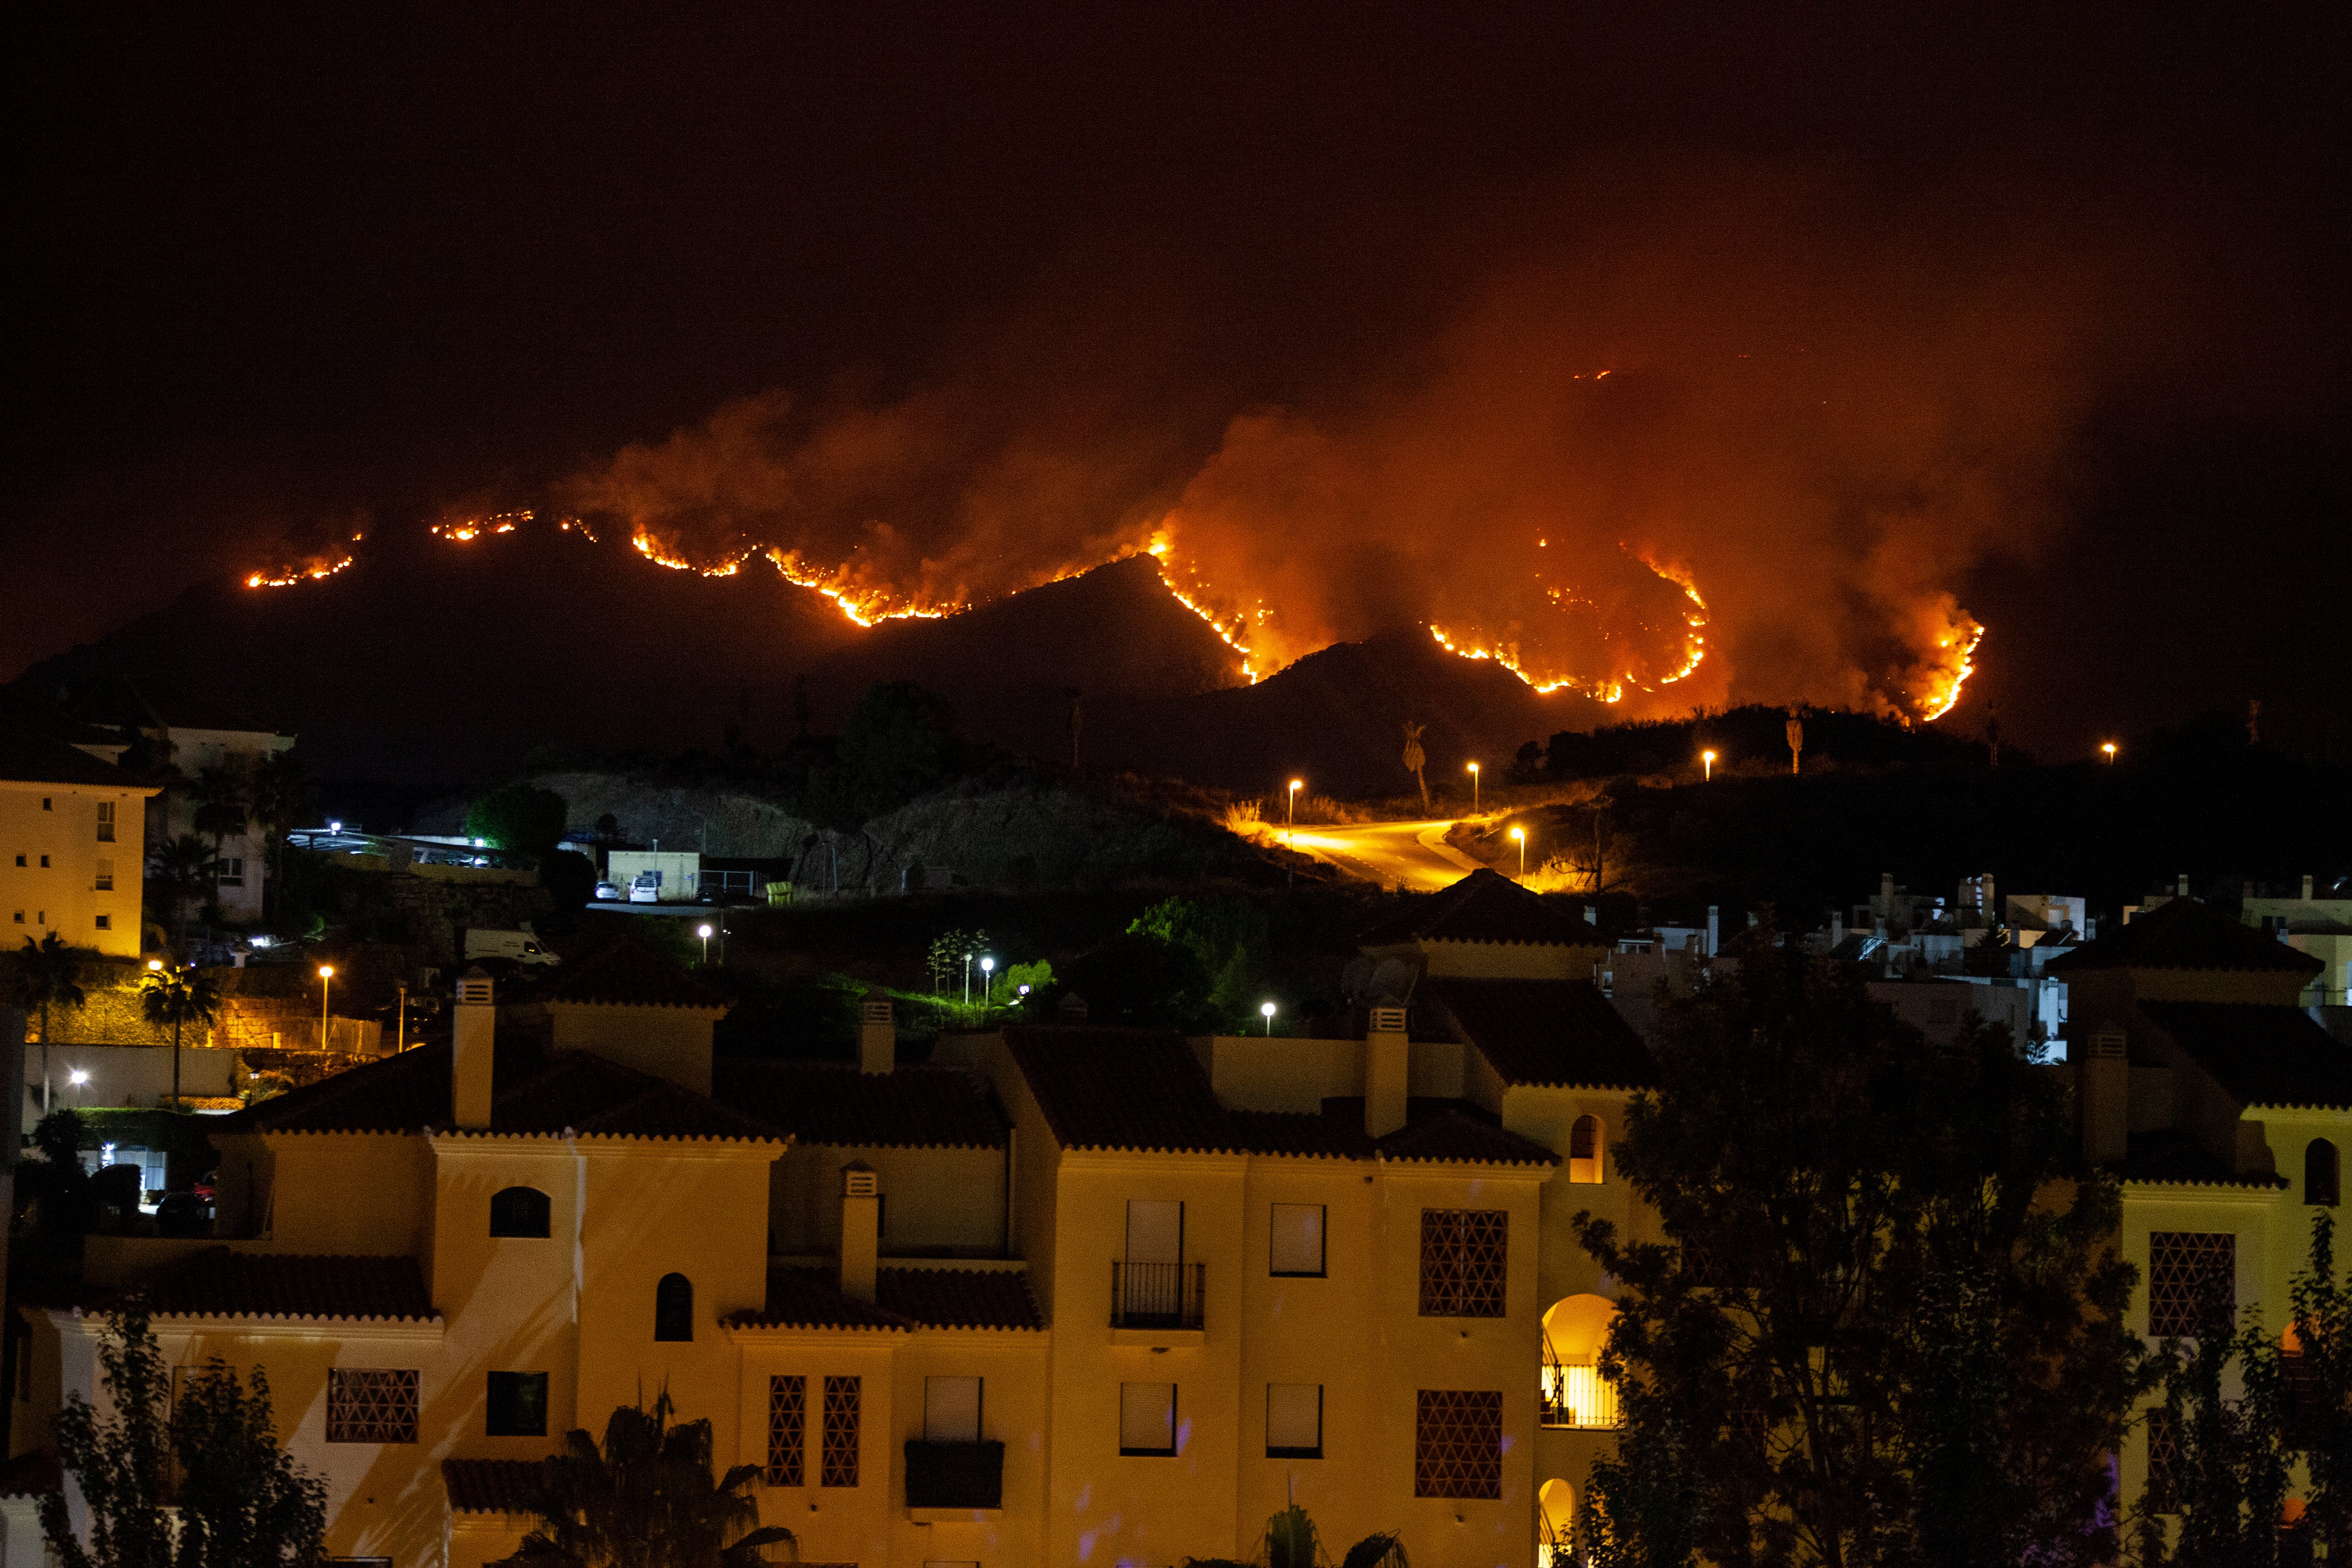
[1413,855]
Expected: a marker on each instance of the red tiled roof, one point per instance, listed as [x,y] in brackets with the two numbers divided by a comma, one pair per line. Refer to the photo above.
[1121,1089]
[2183,933]
[959,1297]
[2261,1055]
[1455,1138]
[2171,1157]
[811,1298]
[35,1473]
[27,756]
[219,1283]
[1303,1133]
[627,975]
[1484,906]
[491,1486]
[833,1103]
[1548,1031]
[579,1091]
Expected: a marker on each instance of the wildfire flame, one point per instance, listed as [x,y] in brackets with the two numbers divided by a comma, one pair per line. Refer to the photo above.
[1159,550]
[316,568]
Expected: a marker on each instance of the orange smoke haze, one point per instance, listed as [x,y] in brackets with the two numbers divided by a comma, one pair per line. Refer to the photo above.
[1742,451]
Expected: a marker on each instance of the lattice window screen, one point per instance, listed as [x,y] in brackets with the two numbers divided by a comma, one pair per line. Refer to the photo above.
[1457,1447]
[2163,1459]
[840,1433]
[2180,1263]
[1462,1254]
[366,1404]
[787,1431]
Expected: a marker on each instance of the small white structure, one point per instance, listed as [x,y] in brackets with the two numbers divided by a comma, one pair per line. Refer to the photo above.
[676,873]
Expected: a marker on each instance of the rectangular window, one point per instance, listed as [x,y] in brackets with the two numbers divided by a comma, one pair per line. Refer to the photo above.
[1463,1260]
[1297,1240]
[518,1405]
[103,881]
[952,1410]
[840,1467]
[1457,1444]
[106,821]
[1294,1420]
[106,923]
[787,1431]
[2184,1268]
[1146,1419]
[45,862]
[369,1404]
[231,872]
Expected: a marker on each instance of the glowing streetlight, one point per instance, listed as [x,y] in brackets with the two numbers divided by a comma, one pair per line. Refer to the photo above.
[1290,814]
[1521,834]
[326,986]
[77,1078]
[1265,1011]
[1709,758]
[154,965]
[2110,749]
[987,968]
[1474,789]
[703,930]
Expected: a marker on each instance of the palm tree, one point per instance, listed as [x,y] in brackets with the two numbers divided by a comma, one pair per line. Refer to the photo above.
[48,973]
[177,993]
[184,869]
[281,796]
[222,792]
[647,1499]
[1290,1542]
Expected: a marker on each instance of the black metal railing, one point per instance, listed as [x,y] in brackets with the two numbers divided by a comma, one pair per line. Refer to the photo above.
[1157,1295]
[954,1475]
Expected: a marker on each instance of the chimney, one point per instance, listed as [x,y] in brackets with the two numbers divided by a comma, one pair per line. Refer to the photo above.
[2102,1083]
[1385,1063]
[1592,911]
[1714,927]
[861,1229]
[2181,889]
[1837,926]
[471,1046]
[878,1035]
[2306,888]
[1885,893]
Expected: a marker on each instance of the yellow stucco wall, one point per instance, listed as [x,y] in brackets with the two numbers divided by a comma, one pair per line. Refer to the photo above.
[59,823]
[935,1202]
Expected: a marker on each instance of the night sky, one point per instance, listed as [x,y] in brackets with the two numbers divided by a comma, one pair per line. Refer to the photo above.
[272,272]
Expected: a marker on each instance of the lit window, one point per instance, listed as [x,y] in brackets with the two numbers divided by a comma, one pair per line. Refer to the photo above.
[1146,1419]
[787,1430]
[1584,1150]
[1294,1420]
[104,880]
[519,1211]
[1457,1444]
[840,1469]
[366,1404]
[952,1410]
[106,821]
[1298,1239]
[1464,1255]
[2190,1273]
[674,1308]
[518,1405]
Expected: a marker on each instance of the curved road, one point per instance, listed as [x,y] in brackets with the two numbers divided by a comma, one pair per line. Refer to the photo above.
[1411,855]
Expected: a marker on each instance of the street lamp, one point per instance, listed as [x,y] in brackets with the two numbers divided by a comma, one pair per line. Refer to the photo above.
[154,965]
[703,930]
[1709,758]
[1265,1011]
[1521,834]
[1290,815]
[987,968]
[77,1078]
[2110,749]
[325,987]
[1474,789]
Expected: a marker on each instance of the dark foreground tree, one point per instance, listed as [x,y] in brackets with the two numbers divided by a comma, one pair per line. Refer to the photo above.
[1291,1541]
[177,995]
[1885,1323]
[242,1502]
[48,973]
[522,817]
[647,1498]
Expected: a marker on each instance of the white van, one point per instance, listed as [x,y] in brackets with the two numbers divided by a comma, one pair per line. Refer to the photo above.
[521,946]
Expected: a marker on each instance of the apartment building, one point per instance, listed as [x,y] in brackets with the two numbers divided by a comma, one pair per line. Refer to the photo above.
[1059,1295]
[2221,1107]
[72,830]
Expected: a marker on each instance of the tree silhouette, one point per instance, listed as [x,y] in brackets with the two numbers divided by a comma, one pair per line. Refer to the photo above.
[49,974]
[177,993]
[183,870]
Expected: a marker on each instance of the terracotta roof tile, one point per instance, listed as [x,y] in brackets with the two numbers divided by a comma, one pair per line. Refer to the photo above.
[2183,933]
[959,1297]
[578,1090]
[1484,907]
[833,1103]
[1305,1133]
[1122,1088]
[219,1283]
[491,1486]
[34,1473]
[2173,1158]
[1456,1138]
[2260,1055]
[811,1298]
[27,756]
[1548,1031]
[626,974]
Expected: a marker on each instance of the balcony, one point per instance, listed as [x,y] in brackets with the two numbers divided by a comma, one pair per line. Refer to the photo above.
[1156,1298]
[958,1477]
[1576,1396]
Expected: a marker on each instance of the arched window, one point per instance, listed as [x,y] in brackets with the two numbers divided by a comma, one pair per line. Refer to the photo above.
[1556,1502]
[1584,1151]
[519,1211]
[1575,1330]
[674,1308]
[2322,1175]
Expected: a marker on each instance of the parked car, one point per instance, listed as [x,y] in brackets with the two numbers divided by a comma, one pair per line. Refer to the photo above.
[608,891]
[646,888]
